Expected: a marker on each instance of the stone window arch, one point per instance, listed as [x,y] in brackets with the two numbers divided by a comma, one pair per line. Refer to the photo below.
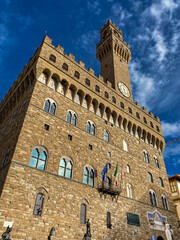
[50,106]
[152,197]
[39,158]
[83,210]
[122,105]
[71,117]
[113,99]
[38,206]
[150,178]
[130,193]
[164,202]
[125,146]
[65,66]
[145,121]
[76,74]
[91,127]
[65,167]
[87,82]
[106,136]
[52,58]
[156,161]
[128,168]
[106,94]
[146,156]
[130,110]
[88,175]
[161,182]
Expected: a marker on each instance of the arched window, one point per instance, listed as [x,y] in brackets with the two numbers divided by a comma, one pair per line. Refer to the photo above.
[157,128]
[146,156]
[161,182]
[164,202]
[137,115]
[83,213]
[125,146]
[38,158]
[38,204]
[73,121]
[87,81]
[52,109]
[65,66]
[129,191]
[106,94]
[156,161]
[145,121]
[130,110]
[151,124]
[91,127]
[52,58]
[108,219]
[50,106]
[65,168]
[76,74]
[71,118]
[122,105]
[88,177]
[97,88]
[47,106]
[128,169]
[107,182]
[150,178]
[152,197]
[106,136]
[114,99]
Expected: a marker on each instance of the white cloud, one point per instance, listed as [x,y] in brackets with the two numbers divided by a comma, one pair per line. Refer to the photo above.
[88,40]
[4,33]
[160,45]
[145,87]
[171,129]
[120,14]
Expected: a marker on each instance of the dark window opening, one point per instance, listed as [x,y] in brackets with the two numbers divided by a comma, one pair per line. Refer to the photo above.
[122,104]
[76,74]
[145,121]
[52,58]
[97,88]
[65,66]
[106,94]
[90,147]
[87,81]
[130,110]
[137,115]
[151,124]
[46,127]
[83,213]
[108,219]
[114,99]
[157,128]
[69,137]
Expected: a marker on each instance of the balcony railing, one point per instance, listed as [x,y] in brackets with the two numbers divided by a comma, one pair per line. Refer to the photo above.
[109,188]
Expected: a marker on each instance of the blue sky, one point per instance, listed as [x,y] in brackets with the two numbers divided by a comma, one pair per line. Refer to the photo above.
[152,28]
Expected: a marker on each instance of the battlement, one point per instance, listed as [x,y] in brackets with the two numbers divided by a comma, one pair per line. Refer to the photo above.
[108,28]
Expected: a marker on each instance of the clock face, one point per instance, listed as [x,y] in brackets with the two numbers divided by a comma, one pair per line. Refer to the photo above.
[124,89]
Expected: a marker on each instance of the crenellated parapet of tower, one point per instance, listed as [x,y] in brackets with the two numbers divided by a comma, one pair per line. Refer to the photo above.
[112,40]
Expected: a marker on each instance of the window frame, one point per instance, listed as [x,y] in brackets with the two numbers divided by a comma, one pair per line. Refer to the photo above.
[41,206]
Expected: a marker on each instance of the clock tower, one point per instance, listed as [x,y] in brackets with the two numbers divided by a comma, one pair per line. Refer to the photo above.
[114,55]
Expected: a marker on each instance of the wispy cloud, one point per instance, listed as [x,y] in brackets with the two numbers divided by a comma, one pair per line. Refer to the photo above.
[120,14]
[171,129]
[94,6]
[143,85]
[88,40]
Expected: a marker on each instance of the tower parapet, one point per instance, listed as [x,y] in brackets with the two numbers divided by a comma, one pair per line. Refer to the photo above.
[114,55]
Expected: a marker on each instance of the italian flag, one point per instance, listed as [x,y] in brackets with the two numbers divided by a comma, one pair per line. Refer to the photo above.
[116,174]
